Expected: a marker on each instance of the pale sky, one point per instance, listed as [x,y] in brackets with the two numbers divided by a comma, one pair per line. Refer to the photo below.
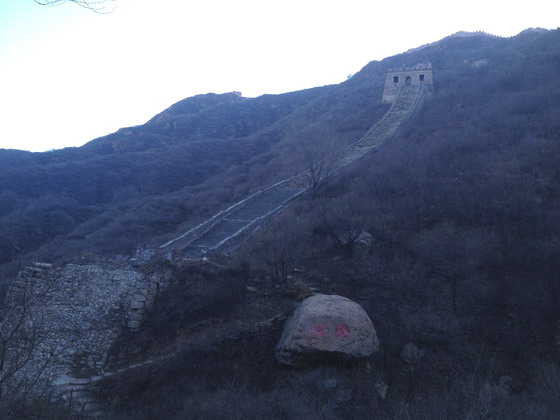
[68,75]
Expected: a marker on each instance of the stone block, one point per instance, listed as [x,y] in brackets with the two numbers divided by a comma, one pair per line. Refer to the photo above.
[149,306]
[168,275]
[136,316]
[133,325]
[79,381]
[46,266]
[139,297]
[135,304]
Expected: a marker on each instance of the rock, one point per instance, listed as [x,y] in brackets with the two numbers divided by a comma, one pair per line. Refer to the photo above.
[343,395]
[136,304]
[493,394]
[139,297]
[336,391]
[143,254]
[135,262]
[505,382]
[325,327]
[144,293]
[149,305]
[46,266]
[136,316]
[329,384]
[380,389]
[79,381]
[133,325]
[365,239]
[412,354]
[35,270]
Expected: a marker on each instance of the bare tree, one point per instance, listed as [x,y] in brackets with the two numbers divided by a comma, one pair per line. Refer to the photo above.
[319,152]
[98,6]
[344,220]
[19,338]
[455,252]
[275,247]
[22,323]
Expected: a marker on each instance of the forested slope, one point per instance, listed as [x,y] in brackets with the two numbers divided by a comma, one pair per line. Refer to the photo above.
[460,258]
[145,183]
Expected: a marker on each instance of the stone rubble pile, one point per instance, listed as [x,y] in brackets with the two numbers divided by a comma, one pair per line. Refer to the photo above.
[76,313]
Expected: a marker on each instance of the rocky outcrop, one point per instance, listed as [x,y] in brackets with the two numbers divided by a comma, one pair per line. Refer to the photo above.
[326,327]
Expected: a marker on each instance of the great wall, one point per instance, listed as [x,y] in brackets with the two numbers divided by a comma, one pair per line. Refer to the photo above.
[404,89]
[77,312]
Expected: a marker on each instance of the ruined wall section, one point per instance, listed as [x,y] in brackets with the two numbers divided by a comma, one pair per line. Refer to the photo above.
[76,313]
[91,303]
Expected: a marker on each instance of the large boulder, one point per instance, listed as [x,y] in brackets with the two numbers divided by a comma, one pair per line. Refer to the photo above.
[326,327]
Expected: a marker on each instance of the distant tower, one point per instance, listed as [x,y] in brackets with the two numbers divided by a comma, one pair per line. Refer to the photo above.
[420,74]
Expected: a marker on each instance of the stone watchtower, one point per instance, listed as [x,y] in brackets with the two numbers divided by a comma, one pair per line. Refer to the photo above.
[419,75]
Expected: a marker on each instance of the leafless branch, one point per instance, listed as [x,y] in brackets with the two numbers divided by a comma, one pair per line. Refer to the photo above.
[23,355]
[319,152]
[97,6]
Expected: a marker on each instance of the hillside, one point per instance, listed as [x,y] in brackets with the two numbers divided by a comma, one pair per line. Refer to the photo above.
[143,184]
[460,208]
[195,158]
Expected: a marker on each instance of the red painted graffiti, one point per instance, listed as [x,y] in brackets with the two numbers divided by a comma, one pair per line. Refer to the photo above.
[321,330]
[342,331]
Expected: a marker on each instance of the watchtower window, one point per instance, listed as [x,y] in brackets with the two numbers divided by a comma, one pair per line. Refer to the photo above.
[421,77]
[408,80]
[395,79]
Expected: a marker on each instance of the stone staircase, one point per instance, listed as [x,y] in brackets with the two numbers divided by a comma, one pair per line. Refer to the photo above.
[223,231]
[402,109]
[232,223]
